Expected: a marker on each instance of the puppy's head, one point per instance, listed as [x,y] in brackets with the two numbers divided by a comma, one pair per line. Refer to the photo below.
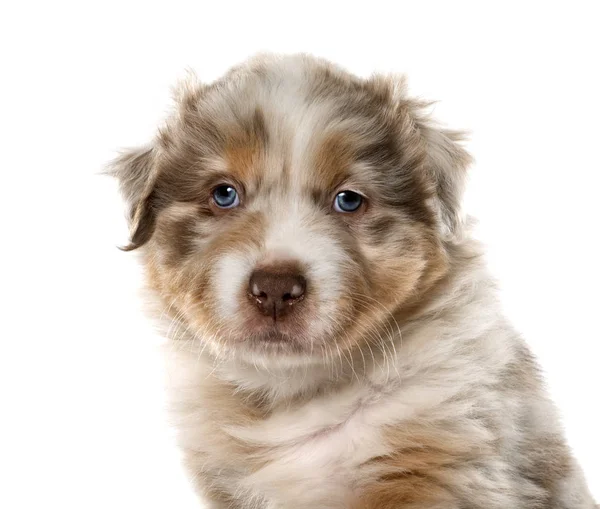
[291,208]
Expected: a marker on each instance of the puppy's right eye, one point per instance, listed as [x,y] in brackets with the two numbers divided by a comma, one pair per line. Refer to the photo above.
[226,197]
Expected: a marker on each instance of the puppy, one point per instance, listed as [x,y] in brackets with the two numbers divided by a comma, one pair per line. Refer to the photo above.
[336,341]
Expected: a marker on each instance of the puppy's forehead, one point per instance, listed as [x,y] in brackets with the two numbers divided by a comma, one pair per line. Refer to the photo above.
[292,123]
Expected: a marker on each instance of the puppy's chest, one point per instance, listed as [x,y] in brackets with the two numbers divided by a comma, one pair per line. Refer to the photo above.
[312,452]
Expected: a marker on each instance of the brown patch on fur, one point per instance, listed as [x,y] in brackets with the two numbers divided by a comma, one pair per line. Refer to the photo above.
[402,275]
[332,161]
[420,471]
[242,160]
[439,279]
[244,149]
[412,492]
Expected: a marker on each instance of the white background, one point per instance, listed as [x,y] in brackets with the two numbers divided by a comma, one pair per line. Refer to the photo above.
[81,408]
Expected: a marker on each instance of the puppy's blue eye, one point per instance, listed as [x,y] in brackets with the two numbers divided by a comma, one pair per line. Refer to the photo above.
[226,197]
[347,201]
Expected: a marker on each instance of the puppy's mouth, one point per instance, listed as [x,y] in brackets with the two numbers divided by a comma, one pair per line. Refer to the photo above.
[264,333]
[274,342]
[266,330]
[272,336]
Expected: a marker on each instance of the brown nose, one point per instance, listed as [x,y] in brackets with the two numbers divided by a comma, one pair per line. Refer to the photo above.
[275,293]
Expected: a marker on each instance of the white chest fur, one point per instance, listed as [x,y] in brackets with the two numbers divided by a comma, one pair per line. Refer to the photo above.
[314,452]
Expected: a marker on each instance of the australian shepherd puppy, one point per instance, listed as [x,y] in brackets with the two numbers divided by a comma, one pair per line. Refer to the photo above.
[336,341]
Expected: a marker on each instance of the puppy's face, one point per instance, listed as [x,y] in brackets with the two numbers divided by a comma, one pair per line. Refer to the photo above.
[291,209]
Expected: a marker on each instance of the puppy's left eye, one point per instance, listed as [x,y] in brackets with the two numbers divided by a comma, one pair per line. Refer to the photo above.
[347,201]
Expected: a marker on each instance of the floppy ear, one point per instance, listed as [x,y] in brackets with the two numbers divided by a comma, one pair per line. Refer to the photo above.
[136,172]
[446,165]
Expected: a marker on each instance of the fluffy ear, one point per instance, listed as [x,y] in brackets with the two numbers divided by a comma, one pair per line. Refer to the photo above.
[445,162]
[136,172]
[446,165]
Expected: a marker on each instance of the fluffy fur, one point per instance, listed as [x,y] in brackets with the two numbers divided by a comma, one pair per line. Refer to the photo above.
[396,382]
